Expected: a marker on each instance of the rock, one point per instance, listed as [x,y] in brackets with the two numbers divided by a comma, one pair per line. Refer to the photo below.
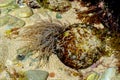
[109,74]
[24,12]
[4,3]
[36,75]
[11,22]
[7,5]
[8,9]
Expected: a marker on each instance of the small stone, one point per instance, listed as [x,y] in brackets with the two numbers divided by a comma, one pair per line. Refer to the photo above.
[52,74]
[93,76]
[20,57]
[5,2]
[36,75]
[11,22]
[24,12]
[58,16]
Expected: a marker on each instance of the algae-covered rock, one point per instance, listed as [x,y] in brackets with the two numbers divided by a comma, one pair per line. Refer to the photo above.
[36,75]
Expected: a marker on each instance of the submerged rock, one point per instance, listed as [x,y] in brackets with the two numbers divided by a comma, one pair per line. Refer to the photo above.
[11,22]
[23,12]
[6,6]
[36,75]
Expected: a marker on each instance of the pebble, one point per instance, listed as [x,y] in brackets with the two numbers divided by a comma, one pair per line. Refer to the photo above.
[21,57]
[93,76]
[11,22]
[52,74]
[58,16]
[36,75]
[23,12]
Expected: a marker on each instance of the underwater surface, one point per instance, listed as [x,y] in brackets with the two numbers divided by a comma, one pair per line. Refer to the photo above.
[59,40]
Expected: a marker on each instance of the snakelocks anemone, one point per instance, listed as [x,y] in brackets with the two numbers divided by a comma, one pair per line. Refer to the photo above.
[77,46]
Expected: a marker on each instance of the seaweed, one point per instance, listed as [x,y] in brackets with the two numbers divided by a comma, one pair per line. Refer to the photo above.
[106,12]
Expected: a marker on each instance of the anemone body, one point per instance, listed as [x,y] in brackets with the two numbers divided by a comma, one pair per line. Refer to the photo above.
[80,46]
